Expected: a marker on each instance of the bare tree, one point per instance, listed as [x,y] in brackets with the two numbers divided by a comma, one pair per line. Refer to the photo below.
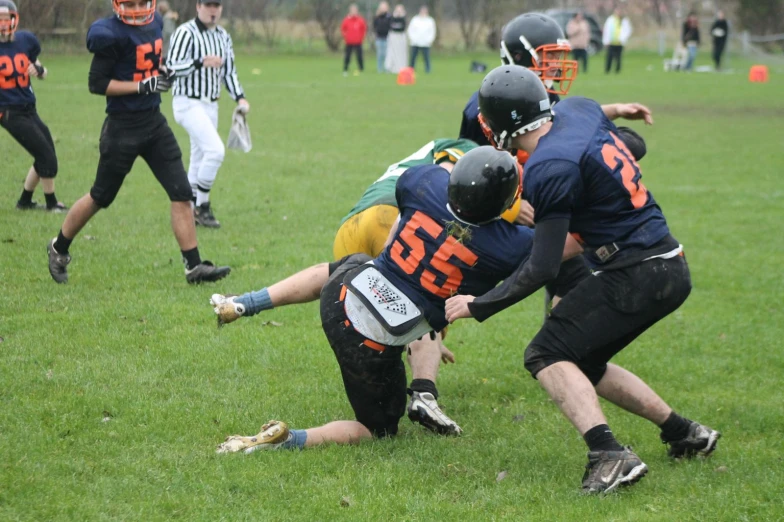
[328,14]
[468,18]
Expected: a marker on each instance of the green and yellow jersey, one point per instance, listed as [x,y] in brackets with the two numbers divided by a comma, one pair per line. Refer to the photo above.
[382,191]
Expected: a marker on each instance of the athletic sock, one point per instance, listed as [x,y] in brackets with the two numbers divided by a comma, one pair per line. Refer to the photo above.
[191,258]
[62,244]
[26,197]
[51,200]
[296,440]
[423,386]
[675,427]
[202,197]
[255,302]
[601,438]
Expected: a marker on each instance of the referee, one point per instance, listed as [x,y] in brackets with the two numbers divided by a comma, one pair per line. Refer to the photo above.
[202,56]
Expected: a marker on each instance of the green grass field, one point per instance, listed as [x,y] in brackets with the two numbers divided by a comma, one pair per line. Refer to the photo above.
[116,388]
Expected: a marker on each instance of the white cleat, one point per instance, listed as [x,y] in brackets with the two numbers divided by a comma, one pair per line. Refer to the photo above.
[226,309]
[424,409]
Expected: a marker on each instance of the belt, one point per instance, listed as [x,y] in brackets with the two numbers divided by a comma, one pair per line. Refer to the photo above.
[204,98]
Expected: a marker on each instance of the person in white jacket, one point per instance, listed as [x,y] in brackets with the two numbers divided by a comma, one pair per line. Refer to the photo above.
[421,34]
[617,31]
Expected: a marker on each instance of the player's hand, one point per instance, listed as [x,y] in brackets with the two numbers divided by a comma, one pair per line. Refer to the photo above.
[457,307]
[526,215]
[166,73]
[212,61]
[446,355]
[244,106]
[635,111]
[154,85]
[36,70]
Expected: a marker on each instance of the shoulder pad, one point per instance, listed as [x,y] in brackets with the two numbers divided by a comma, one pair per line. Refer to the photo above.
[100,36]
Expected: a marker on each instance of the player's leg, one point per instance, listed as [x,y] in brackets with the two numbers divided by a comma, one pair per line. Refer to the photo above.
[424,357]
[277,435]
[119,147]
[33,135]
[163,155]
[360,58]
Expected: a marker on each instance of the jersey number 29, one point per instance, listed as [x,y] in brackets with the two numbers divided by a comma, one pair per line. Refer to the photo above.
[20,63]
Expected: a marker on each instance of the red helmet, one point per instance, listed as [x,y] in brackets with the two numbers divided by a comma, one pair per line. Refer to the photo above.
[8,27]
[135,16]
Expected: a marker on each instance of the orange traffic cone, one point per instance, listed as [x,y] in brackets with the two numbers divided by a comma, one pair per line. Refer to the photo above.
[406,76]
[758,74]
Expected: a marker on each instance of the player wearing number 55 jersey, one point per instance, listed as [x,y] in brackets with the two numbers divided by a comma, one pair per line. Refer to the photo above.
[581,178]
[449,239]
[126,69]
[19,51]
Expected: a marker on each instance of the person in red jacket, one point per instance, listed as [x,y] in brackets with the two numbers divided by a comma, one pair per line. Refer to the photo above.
[353,29]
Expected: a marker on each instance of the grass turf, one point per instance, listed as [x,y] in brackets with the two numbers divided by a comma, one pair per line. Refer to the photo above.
[116,388]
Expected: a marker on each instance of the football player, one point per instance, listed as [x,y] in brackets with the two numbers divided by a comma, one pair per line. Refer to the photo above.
[582,179]
[536,41]
[449,239]
[19,51]
[126,69]
[365,230]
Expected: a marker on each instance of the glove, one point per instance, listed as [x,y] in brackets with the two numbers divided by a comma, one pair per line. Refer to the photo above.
[39,69]
[154,85]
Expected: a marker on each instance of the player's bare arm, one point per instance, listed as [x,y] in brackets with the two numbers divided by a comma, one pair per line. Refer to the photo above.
[628,111]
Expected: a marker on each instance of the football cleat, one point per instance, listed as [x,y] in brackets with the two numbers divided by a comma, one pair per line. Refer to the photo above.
[700,440]
[226,309]
[30,205]
[272,436]
[607,470]
[59,208]
[206,272]
[58,263]
[424,409]
[204,216]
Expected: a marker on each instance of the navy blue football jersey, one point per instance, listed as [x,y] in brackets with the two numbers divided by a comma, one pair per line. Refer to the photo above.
[429,264]
[15,58]
[136,51]
[582,171]
[470,128]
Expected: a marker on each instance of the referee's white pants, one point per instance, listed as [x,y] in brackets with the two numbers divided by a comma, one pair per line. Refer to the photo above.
[200,120]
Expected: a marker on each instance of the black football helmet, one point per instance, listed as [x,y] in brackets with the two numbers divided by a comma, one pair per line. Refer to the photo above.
[483,184]
[513,101]
[537,42]
[8,26]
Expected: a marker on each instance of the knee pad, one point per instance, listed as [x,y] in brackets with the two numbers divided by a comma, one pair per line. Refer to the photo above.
[46,167]
[103,197]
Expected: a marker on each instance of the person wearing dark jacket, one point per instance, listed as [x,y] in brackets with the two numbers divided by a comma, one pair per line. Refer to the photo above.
[690,37]
[381,25]
[719,31]
[353,29]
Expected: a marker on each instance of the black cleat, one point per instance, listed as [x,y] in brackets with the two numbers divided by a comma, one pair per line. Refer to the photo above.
[607,470]
[30,205]
[58,263]
[59,208]
[204,216]
[700,440]
[206,272]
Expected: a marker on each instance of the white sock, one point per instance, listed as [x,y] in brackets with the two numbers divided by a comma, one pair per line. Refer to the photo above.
[202,197]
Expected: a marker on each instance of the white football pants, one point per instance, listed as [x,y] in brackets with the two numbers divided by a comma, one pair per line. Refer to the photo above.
[200,119]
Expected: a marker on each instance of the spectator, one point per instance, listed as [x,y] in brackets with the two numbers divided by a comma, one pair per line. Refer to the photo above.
[579,34]
[169,24]
[421,34]
[353,29]
[720,31]
[397,46]
[690,37]
[617,31]
[381,27]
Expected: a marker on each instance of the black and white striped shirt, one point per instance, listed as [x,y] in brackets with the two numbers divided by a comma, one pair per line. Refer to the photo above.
[191,42]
